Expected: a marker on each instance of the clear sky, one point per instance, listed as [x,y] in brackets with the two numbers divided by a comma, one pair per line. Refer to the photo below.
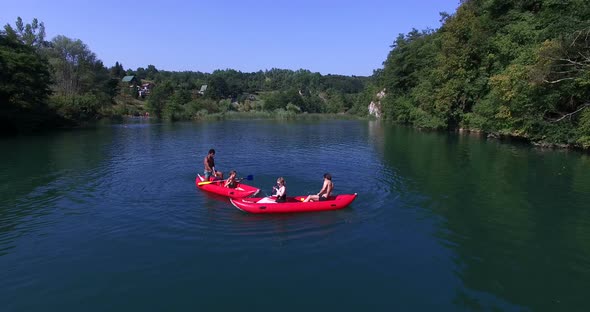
[325,36]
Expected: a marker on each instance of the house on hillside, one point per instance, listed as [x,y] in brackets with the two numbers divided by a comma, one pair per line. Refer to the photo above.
[131,80]
[203,89]
[145,89]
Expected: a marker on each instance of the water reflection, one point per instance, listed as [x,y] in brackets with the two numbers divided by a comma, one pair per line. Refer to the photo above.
[515,217]
[39,175]
[442,222]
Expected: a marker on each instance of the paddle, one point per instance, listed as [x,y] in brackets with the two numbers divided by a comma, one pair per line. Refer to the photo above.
[249,178]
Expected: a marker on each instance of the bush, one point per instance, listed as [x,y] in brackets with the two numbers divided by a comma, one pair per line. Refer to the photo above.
[473,121]
[293,108]
[284,114]
[77,107]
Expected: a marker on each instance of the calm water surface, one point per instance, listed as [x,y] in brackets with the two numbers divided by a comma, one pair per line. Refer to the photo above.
[109,219]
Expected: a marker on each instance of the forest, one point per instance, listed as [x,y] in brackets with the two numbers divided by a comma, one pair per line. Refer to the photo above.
[62,83]
[503,68]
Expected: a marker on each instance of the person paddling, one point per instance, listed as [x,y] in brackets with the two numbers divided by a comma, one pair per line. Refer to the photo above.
[231,181]
[209,163]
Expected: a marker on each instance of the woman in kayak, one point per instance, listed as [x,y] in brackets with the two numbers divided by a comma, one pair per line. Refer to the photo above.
[209,163]
[281,190]
[231,181]
[325,192]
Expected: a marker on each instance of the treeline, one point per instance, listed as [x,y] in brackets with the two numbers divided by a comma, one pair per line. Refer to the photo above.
[62,83]
[516,68]
[48,84]
[176,94]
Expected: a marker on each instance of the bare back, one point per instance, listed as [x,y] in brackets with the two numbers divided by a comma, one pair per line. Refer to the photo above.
[327,188]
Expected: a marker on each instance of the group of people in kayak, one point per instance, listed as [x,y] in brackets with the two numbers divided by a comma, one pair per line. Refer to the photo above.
[280,190]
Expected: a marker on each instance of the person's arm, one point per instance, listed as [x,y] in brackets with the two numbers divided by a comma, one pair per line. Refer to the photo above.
[280,191]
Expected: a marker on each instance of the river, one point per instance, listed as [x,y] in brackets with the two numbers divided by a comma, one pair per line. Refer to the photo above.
[109,219]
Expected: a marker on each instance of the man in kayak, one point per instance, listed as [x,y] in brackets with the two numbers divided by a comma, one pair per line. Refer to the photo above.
[325,192]
[209,163]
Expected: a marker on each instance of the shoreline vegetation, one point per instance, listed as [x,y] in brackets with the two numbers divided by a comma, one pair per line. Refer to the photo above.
[255,115]
[517,70]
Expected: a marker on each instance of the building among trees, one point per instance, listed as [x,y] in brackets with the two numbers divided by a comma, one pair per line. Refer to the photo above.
[132,80]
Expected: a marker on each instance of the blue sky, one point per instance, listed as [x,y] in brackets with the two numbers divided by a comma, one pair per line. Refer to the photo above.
[326,36]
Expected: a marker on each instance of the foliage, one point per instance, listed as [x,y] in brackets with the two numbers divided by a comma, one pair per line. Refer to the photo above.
[583,130]
[24,86]
[117,71]
[268,90]
[75,87]
[30,34]
[159,97]
[508,67]
[83,107]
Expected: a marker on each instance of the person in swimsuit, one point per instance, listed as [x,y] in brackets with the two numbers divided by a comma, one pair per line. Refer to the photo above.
[231,181]
[325,192]
[281,190]
[209,163]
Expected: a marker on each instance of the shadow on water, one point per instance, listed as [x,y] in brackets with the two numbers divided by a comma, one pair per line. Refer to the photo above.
[516,218]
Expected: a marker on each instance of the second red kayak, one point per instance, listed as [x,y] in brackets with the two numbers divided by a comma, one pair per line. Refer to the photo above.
[240,191]
[293,204]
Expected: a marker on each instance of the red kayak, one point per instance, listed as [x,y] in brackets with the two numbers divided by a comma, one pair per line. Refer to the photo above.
[240,191]
[293,204]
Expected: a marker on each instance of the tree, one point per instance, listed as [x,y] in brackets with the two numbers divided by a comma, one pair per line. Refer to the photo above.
[151,72]
[217,88]
[24,86]
[159,97]
[117,71]
[516,68]
[72,62]
[82,83]
[30,34]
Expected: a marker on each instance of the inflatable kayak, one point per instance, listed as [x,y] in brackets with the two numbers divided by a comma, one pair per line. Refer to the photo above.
[293,204]
[216,187]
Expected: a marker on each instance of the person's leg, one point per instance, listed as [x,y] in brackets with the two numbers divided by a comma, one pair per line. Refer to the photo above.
[311,198]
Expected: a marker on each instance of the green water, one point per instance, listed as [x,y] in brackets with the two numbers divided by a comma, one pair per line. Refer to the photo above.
[110,219]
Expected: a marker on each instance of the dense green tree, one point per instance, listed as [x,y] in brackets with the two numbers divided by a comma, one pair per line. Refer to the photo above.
[82,85]
[30,34]
[159,97]
[72,64]
[24,86]
[217,88]
[515,68]
[151,72]
[117,71]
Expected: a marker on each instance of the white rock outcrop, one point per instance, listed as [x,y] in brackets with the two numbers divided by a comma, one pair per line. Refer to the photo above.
[375,106]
